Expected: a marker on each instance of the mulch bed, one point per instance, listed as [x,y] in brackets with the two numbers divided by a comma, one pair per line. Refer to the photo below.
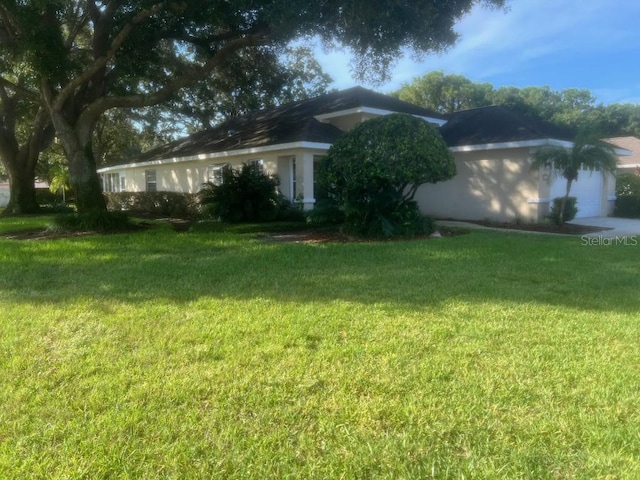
[565,229]
[335,236]
[329,235]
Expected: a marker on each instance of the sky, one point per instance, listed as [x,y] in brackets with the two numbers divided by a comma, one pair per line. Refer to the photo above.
[590,44]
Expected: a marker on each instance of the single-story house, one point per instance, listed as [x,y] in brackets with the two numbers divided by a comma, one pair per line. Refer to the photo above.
[492,147]
[4,194]
[627,163]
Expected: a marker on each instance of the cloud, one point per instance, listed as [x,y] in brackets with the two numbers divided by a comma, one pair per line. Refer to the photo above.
[537,42]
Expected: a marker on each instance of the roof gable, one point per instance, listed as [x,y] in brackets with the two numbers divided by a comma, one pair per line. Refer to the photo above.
[627,143]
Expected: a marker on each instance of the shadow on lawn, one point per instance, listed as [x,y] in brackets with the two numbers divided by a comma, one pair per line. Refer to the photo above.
[416,274]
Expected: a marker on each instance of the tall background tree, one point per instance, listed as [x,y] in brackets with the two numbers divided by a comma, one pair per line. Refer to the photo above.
[573,107]
[25,131]
[91,56]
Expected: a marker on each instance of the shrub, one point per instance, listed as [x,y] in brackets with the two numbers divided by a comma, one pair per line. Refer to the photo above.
[245,195]
[103,222]
[627,206]
[570,210]
[325,212]
[627,184]
[374,170]
[154,204]
[627,196]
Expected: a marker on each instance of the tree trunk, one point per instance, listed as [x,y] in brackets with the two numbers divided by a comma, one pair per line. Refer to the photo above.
[85,181]
[564,202]
[22,173]
[20,160]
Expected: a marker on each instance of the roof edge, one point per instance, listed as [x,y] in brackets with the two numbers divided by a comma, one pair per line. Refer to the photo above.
[217,155]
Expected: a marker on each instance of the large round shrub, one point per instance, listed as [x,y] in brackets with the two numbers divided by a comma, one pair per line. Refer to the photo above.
[374,171]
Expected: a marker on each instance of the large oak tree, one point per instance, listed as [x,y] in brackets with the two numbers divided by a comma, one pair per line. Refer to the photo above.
[90,56]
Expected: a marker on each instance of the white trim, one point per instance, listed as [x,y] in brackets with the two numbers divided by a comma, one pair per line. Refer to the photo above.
[308,200]
[522,144]
[373,111]
[629,165]
[612,197]
[225,154]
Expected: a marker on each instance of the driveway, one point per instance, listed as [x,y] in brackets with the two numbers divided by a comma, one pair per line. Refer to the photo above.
[621,227]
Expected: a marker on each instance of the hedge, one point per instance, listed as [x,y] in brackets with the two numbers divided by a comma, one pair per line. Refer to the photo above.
[155,204]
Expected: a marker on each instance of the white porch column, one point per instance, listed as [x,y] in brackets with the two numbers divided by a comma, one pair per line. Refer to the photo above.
[308,199]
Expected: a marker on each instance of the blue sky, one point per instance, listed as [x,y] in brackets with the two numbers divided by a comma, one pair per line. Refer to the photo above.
[592,44]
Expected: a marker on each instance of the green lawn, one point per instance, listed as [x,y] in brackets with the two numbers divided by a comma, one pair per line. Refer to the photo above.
[215,355]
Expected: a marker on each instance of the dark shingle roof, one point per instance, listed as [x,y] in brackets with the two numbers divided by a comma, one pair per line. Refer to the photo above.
[494,124]
[293,122]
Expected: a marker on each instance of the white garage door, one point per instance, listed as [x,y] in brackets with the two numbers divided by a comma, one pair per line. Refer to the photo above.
[587,189]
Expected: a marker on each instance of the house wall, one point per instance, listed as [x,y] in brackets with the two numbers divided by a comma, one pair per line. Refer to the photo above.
[4,195]
[188,176]
[492,184]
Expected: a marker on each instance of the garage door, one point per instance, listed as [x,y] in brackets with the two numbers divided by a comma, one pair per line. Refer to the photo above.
[587,189]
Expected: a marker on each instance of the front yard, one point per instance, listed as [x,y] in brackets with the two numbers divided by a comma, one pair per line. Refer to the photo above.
[216,355]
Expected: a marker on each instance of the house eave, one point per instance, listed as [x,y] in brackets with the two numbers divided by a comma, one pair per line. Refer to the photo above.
[518,144]
[220,155]
[324,117]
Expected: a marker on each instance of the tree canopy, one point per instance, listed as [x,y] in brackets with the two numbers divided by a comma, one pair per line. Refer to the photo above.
[89,56]
[572,107]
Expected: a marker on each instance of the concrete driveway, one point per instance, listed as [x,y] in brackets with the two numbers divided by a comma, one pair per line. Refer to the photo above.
[621,227]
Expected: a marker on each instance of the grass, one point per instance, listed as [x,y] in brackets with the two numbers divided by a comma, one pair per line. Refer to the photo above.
[214,355]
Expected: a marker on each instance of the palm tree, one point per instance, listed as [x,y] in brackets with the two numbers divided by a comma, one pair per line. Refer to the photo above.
[587,153]
[59,182]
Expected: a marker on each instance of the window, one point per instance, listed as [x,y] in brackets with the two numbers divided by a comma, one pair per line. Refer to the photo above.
[150,180]
[214,173]
[111,182]
[257,164]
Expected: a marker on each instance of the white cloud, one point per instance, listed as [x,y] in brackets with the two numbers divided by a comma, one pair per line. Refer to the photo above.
[553,41]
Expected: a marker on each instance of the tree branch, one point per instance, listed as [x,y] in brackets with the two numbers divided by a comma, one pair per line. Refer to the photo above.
[7,33]
[102,62]
[103,104]
[20,90]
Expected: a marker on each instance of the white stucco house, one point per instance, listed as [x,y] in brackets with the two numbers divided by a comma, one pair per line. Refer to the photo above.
[4,194]
[492,147]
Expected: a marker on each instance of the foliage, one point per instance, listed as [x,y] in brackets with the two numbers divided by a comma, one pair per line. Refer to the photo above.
[627,206]
[59,179]
[374,170]
[89,57]
[587,152]
[326,211]
[245,195]
[445,93]
[627,184]
[154,204]
[572,107]
[251,80]
[103,222]
[627,196]
[569,213]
